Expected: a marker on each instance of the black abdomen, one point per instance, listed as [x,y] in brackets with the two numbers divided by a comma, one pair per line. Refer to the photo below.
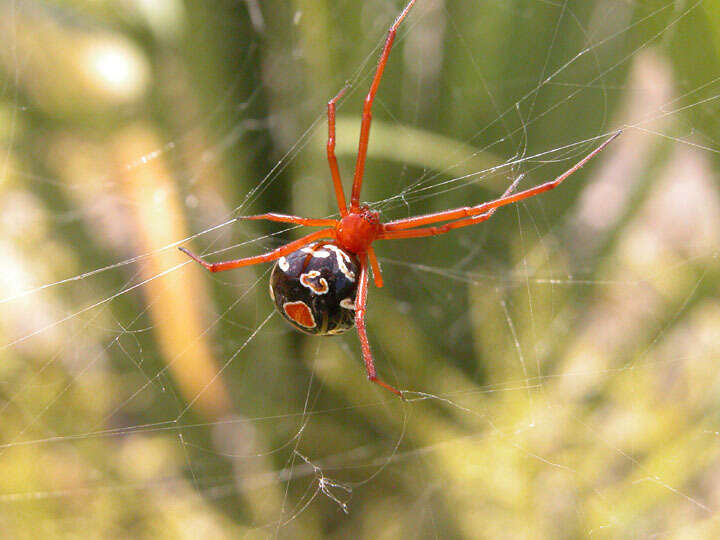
[314,288]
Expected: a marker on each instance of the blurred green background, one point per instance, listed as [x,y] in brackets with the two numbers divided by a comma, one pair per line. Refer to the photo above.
[561,359]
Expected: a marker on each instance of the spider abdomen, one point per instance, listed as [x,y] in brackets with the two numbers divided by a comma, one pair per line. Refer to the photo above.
[314,288]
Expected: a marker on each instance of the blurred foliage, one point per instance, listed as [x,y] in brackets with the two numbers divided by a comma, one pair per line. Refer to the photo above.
[561,356]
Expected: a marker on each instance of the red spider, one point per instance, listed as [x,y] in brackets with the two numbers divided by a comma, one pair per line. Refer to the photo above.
[315,285]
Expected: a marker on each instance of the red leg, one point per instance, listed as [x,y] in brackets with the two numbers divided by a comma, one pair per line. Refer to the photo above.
[360,303]
[441,229]
[458,213]
[265,257]
[332,160]
[434,231]
[308,222]
[367,115]
[377,275]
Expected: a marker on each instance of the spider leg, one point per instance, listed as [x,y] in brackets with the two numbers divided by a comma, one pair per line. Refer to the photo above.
[308,222]
[332,160]
[367,115]
[265,257]
[469,211]
[434,231]
[360,303]
[377,275]
[447,227]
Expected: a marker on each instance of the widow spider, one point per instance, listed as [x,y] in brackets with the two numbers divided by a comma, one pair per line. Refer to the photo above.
[315,285]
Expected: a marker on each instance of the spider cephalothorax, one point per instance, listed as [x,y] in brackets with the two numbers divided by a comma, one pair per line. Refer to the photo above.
[320,287]
[358,230]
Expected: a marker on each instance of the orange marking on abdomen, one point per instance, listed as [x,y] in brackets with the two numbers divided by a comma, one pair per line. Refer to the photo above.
[300,313]
[306,281]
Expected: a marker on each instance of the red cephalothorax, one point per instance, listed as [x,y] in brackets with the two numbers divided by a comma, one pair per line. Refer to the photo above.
[357,230]
[315,283]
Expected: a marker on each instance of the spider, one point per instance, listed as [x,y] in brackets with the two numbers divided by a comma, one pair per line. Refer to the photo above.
[320,282]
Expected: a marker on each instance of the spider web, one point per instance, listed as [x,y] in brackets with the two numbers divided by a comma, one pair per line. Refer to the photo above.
[558,360]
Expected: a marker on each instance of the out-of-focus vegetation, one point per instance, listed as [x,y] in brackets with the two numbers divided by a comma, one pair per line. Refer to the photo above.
[564,355]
